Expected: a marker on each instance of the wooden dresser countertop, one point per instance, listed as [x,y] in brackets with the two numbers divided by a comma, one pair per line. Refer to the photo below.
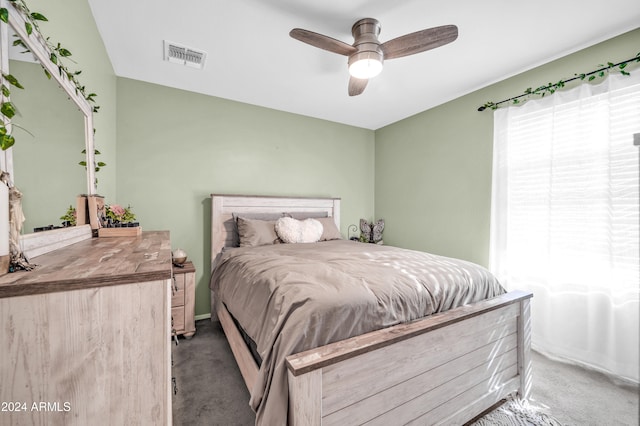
[95,262]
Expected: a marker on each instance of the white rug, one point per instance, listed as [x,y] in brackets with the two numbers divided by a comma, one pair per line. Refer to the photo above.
[516,412]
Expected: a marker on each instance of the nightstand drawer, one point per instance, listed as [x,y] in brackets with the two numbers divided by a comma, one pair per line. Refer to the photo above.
[177,314]
[177,296]
[183,299]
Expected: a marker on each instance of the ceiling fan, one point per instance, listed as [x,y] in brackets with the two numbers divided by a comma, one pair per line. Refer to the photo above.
[367,54]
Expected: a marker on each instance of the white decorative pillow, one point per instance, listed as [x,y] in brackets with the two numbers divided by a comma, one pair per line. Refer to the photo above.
[291,230]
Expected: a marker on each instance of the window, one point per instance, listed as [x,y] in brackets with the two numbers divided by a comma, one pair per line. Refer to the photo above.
[565,220]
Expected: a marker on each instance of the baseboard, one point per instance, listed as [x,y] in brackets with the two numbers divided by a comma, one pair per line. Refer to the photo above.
[203,316]
[617,379]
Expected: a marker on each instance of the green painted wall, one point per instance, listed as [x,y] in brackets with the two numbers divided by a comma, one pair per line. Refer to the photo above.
[46,165]
[175,148]
[433,170]
[428,176]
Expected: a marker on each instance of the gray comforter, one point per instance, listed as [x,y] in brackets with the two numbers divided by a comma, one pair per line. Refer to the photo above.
[294,297]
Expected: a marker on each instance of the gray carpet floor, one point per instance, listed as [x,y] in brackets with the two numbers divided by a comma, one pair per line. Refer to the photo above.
[211,390]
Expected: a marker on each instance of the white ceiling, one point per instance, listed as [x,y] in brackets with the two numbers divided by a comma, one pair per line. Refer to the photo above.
[252,59]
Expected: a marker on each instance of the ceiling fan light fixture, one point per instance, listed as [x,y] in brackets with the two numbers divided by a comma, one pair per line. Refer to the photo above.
[365,65]
[367,54]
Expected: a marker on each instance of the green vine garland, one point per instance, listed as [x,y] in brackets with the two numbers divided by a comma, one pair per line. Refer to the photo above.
[57,53]
[551,88]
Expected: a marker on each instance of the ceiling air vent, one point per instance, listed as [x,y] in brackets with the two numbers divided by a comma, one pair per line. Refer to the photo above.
[183,55]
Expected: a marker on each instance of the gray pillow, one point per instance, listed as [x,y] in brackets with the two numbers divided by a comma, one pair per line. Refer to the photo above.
[329,229]
[254,232]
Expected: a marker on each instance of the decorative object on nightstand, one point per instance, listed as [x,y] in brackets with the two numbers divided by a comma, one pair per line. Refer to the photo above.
[183,298]
[179,257]
[371,232]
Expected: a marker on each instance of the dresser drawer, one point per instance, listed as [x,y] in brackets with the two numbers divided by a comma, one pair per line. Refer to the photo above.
[177,290]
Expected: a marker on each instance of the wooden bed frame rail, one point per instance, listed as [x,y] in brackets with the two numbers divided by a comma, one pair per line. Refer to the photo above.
[443,369]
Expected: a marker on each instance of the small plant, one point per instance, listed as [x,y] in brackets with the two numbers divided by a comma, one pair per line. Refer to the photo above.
[118,214]
[70,217]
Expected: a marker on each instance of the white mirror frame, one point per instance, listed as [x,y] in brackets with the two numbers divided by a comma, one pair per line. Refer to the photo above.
[38,47]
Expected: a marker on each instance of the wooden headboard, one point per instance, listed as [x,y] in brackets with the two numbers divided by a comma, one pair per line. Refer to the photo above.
[223,232]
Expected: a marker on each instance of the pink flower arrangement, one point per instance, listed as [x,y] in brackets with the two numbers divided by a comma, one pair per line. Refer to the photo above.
[117,213]
[116,210]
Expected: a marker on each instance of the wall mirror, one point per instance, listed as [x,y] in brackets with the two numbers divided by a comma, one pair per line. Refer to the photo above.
[45,163]
[63,123]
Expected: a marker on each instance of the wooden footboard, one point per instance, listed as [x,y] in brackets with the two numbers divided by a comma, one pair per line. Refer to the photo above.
[444,369]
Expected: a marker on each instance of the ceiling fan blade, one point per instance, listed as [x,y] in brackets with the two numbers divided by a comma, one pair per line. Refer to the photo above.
[322,41]
[357,85]
[419,41]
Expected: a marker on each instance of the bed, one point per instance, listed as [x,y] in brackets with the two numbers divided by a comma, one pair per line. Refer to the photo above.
[446,368]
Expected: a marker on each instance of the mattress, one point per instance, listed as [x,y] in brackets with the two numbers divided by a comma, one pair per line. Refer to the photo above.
[292,297]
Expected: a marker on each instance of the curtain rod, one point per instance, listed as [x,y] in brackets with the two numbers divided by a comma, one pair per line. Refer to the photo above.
[561,83]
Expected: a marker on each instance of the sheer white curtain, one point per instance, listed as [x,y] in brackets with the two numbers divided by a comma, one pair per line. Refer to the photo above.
[565,220]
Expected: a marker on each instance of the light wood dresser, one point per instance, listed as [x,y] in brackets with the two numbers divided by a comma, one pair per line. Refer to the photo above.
[85,337]
[183,300]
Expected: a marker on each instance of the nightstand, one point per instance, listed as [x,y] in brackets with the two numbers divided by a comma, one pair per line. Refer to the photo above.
[183,299]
